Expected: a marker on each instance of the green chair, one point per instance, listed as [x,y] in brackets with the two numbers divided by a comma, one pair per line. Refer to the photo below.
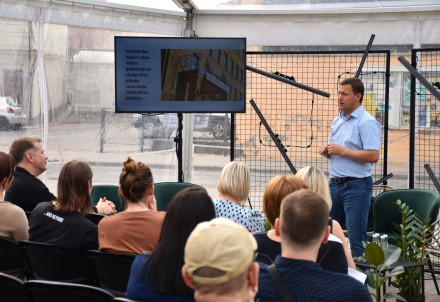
[423,202]
[165,191]
[110,192]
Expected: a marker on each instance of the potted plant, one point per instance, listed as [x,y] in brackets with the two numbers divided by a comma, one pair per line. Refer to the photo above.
[414,236]
[380,259]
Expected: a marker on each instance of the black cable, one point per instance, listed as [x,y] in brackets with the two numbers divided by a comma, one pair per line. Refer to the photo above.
[249,200]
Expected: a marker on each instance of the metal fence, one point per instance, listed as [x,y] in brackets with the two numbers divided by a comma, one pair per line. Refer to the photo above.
[425,119]
[300,119]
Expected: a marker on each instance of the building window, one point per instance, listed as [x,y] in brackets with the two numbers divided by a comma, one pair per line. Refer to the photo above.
[217,55]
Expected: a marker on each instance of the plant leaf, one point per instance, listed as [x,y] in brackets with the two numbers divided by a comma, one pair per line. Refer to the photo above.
[374,254]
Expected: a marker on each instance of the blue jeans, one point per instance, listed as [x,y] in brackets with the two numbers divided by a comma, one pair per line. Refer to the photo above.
[350,206]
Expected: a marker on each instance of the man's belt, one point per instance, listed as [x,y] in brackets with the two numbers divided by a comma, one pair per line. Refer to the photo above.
[341,180]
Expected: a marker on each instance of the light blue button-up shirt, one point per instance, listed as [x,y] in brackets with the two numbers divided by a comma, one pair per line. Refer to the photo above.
[360,131]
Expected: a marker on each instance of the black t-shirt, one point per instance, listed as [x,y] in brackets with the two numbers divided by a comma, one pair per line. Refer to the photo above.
[27,191]
[70,230]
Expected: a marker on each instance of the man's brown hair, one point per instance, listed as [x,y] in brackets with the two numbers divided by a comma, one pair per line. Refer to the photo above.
[304,217]
[20,146]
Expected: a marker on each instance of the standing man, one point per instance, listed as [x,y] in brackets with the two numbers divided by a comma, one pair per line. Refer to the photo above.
[354,146]
[26,190]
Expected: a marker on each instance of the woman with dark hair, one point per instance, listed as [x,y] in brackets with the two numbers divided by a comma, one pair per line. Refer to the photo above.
[63,222]
[158,277]
[13,221]
[120,233]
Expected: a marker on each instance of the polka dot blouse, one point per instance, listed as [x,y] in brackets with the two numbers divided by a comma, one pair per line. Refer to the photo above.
[251,219]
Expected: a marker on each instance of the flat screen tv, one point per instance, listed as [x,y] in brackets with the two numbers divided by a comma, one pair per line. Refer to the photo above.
[180,75]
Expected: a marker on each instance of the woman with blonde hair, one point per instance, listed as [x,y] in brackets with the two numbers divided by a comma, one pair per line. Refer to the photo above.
[331,255]
[120,233]
[63,222]
[234,186]
[317,182]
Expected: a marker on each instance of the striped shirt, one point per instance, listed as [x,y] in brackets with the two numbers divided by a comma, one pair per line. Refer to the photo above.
[360,131]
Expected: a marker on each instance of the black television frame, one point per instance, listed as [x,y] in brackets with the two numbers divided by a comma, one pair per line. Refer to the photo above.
[180,75]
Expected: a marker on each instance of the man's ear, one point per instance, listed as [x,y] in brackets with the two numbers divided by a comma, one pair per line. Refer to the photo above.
[28,156]
[277,227]
[253,275]
[4,182]
[325,235]
[186,277]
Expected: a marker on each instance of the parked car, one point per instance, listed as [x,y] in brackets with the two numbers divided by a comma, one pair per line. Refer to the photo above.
[10,114]
[156,125]
[165,125]
[217,124]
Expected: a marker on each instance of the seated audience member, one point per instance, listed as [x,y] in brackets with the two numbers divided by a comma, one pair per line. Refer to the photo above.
[219,262]
[317,182]
[63,222]
[13,220]
[26,190]
[234,186]
[137,228]
[158,277]
[331,255]
[303,226]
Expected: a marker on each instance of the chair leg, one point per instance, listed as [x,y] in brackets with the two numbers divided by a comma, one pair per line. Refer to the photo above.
[431,269]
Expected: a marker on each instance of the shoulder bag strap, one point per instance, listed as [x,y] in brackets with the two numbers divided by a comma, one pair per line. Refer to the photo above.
[281,287]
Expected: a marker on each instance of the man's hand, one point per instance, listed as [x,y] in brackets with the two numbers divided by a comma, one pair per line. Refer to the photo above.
[105,206]
[361,156]
[333,148]
[323,151]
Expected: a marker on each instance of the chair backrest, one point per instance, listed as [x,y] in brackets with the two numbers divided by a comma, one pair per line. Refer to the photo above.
[52,262]
[424,203]
[110,192]
[165,191]
[111,270]
[11,289]
[12,258]
[52,291]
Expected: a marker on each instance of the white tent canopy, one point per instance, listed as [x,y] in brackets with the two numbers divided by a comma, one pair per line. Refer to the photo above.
[263,23]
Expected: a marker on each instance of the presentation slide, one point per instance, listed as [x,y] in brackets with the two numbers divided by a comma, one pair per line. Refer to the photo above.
[171,75]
